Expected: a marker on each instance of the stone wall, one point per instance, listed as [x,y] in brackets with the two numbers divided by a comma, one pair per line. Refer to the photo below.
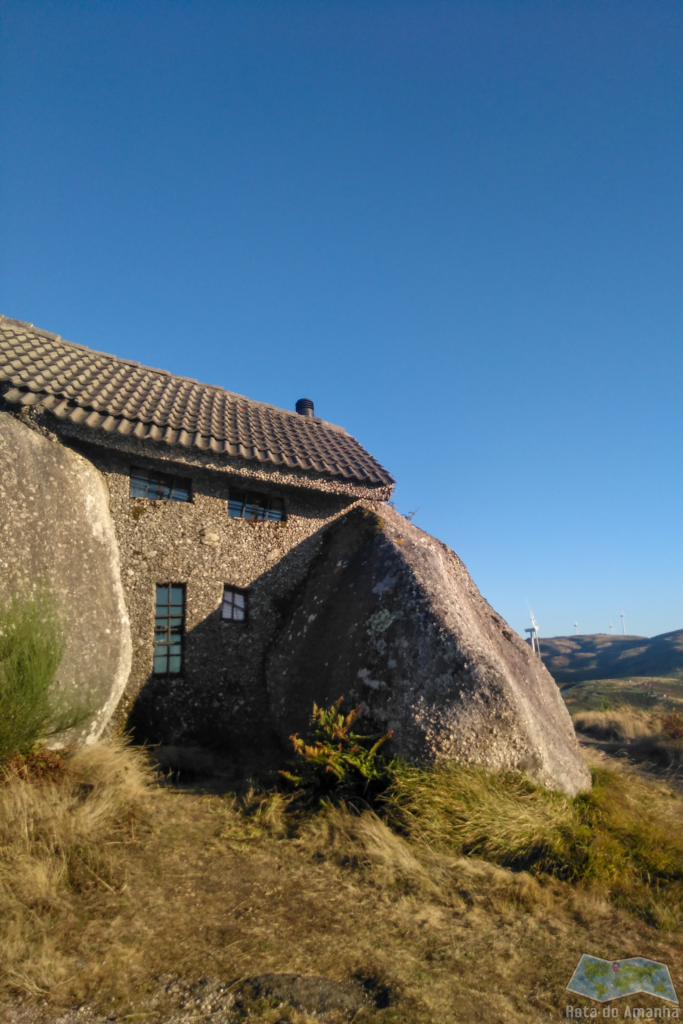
[56,531]
[220,697]
[259,473]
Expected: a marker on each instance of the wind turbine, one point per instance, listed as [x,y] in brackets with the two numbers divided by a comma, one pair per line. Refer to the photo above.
[533,634]
[576,629]
[623,624]
[611,629]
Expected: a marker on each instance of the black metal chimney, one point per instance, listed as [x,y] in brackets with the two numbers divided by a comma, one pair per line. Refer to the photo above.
[305,407]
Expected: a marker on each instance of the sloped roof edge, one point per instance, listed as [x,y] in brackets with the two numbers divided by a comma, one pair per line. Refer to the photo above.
[119,396]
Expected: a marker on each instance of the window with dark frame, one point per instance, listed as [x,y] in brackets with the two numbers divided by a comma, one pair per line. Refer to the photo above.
[169,629]
[147,483]
[234,607]
[252,505]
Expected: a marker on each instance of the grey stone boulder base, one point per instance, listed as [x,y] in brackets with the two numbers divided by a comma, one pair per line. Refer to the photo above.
[56,531]
[389,616]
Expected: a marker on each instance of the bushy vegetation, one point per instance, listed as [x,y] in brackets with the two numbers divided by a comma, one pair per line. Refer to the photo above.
[31,649]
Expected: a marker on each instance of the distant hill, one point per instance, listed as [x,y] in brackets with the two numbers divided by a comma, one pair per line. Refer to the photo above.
[571,659]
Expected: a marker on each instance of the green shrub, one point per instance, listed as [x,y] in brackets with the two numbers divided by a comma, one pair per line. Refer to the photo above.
[31,649]
[339,764]
[606,705]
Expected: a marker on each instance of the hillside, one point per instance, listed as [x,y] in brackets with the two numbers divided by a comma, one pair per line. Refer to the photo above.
[658,694]
[572,659]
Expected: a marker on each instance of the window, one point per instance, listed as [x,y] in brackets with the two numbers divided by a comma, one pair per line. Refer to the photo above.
[234,604]
[251,505]
[146,483]
[169,628]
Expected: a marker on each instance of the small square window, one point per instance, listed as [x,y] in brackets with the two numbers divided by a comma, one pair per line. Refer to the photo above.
[253,505]
[234,607]
[169,629]
[146,483]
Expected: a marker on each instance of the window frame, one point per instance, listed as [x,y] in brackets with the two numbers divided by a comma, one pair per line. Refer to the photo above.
[172,481]
[264,500]
[168,642]
[237,592]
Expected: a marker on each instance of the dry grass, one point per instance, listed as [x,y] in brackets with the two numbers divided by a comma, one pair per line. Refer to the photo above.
[503,818]
[621,724]
[365,843]
[640,735]
[126,898]
[623,841]
[56,841]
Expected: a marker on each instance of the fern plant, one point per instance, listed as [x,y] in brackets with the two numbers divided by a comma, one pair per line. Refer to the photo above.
[338,763]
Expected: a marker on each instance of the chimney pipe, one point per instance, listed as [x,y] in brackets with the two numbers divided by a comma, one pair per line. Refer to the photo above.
[305,407]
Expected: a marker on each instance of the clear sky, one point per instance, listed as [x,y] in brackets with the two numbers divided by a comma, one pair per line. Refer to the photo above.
[458,227]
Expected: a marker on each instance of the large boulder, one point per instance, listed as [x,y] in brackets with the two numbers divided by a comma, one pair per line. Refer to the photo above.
[56,531]
[389,616]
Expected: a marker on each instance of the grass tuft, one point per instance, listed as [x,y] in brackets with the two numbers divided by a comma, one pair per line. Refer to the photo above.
[57,839]
[611,724]
[366,843]
[640,735]
[500,817]
[624,838]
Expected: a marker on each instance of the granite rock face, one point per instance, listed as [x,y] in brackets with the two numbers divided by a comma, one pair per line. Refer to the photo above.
[56,530]
[390,617]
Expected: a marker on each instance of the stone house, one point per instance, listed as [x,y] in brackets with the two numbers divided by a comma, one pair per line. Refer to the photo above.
[220,505]
[223,564]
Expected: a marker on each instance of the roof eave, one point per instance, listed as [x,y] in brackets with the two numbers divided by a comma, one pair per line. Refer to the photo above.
[106,428]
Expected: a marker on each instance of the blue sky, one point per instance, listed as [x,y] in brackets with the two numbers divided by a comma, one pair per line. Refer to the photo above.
[458,227]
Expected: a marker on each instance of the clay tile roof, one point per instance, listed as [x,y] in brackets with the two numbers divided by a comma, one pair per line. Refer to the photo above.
[121,397]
